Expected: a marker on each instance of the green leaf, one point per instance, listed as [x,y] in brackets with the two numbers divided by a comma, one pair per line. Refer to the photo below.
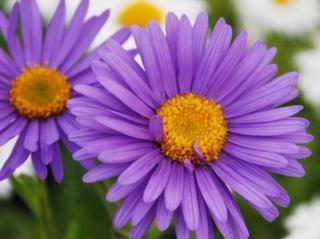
[72,232]
[287,48]
[79,203]
[225,9]
[28,189]
[15,222]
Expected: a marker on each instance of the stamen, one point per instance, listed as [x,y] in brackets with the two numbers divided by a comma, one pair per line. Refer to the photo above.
[39,92]
[193,128]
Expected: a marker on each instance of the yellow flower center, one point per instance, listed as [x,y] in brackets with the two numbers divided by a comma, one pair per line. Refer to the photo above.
[190,120]
[140,12]
[39,92]
[281,2]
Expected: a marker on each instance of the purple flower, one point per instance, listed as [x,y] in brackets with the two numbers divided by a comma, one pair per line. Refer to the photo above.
[37,77]
[200,121]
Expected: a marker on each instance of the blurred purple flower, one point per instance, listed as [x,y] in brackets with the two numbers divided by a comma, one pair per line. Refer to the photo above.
[198,122]
[36,81]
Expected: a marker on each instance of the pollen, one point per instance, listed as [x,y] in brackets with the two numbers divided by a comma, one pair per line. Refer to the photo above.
[190,120]
[39,92]
[140,12]
[281,2]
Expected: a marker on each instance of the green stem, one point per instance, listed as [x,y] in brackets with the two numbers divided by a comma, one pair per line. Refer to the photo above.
[102,189]
[46,216]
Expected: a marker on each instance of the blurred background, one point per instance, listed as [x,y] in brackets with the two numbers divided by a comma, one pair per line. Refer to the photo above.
[77,211]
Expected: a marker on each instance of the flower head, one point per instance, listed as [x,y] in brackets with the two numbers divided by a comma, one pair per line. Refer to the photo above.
[37,81]
[199,121]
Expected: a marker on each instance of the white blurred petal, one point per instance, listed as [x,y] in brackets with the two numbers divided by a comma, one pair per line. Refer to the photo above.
[308,63]
[295,17]
[304,223]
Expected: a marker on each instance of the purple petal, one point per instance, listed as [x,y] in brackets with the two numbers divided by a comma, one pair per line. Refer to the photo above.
[11,37]
[32,36]
[172,29]
[126,153]
[39,167]
[86,36]
[57,164]
[256,156]
[182,230]
[204,230]
[13,130]
[227,66]
[280,127]
[163,215]
[163,56]
[242,76]
[267,116]
[32,136]
[7,120]
[158,181]
[121,35]
[155,128]
[138,231]
[52,131]
[18,155]
[8,67]
[210,193]
[141,210]
[237,183]
[174,190]
[104,172]
[200,36]
[124,127]
[138,86]
[126,97]
[98,95]
[190,206]
[47,154]
[150,63]
[263,144]
[218,46]
[293,169]
[118,191]
[71,34]
[54,33]
[185,55]
[125,211]
[140,168]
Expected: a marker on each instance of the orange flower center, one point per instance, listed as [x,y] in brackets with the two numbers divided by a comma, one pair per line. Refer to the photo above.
[39,92]
[190,120]
[140,12]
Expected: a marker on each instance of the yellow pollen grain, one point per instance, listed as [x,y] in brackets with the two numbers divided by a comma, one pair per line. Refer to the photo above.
[140,12]
[39,92]
[281,2]
[189,119]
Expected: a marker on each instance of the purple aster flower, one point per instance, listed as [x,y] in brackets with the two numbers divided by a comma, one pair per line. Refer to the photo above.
[201,120]
[37,79]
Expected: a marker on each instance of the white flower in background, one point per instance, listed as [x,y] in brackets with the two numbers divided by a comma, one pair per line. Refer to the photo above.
[308,63]
[304,223]
[26,168]
[125,12]
[292,17]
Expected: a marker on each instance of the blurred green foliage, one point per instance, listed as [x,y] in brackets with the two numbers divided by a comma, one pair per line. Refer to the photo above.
[75,210]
